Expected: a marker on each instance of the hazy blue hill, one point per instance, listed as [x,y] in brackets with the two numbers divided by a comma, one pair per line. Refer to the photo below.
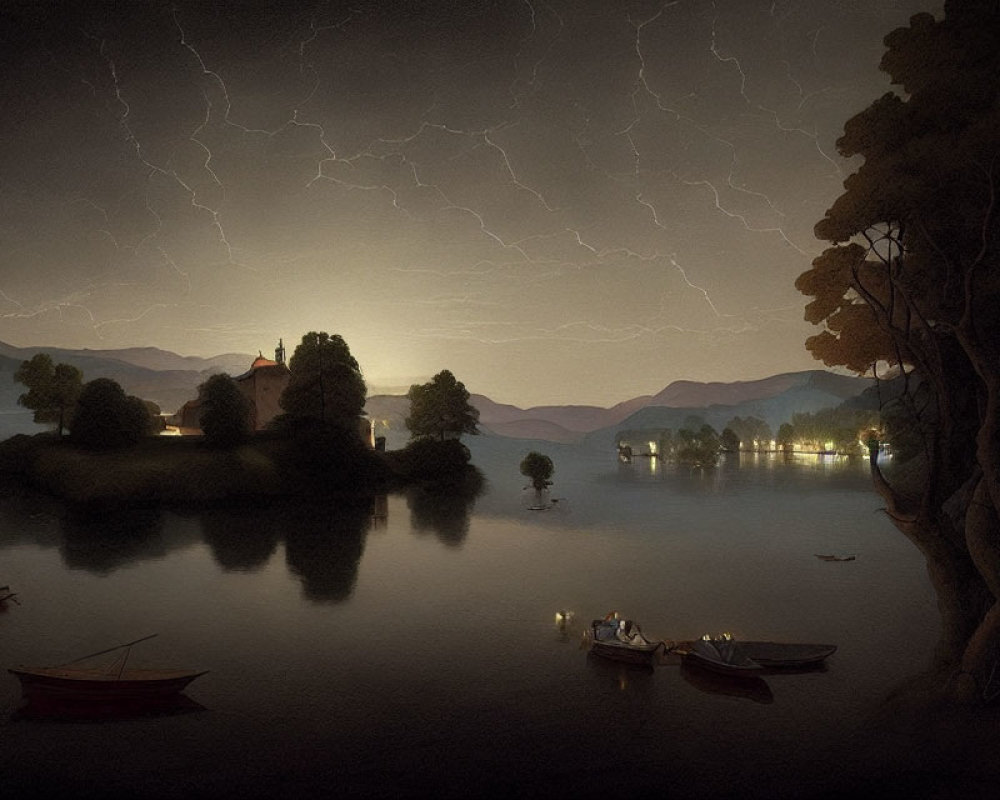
[151,358]
[689,394]
[772,399]
[808,395]
[390,412]
[572,418]
[168,388]
[534,429]
[565,424]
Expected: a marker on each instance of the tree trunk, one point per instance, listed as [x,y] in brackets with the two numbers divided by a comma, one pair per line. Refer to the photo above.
[961,592]
[983,648]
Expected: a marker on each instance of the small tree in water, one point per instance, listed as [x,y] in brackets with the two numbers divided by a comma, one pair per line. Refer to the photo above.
[538,468]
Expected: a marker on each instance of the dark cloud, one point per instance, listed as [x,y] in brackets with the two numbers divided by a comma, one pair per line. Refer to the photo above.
[627,187]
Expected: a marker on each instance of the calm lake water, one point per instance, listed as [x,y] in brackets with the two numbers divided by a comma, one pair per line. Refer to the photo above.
[409,647]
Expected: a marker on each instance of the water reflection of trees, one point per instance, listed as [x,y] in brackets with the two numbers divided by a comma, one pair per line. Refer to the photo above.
[241,541]
[324,542]
[324,545]
[105,543]
[443,512]
[28,517]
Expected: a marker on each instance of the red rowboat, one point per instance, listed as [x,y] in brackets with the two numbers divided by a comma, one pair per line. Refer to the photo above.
[107,684]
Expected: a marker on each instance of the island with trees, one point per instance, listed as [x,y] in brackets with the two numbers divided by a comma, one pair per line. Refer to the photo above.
[103,452]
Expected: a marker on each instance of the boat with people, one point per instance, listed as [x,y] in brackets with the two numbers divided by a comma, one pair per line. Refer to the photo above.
[622,640]
[6,594]
[114,683]
[723,654]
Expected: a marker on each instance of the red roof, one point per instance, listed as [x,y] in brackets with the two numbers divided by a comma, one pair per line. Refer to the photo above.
[260,361]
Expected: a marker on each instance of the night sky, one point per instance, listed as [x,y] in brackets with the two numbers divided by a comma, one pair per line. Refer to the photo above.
[560,202]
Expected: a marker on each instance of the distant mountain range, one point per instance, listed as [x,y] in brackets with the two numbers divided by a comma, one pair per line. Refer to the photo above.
[773,399]
[169,380]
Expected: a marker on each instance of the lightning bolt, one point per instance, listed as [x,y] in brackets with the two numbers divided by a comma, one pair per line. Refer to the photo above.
[643,84]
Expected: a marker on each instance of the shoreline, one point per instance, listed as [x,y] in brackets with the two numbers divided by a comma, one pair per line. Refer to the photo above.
[165,472]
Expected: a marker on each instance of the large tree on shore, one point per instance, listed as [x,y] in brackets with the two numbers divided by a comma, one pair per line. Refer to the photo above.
[107,419]
[225,411]
[440,407]
[912,283]
[53,389]
[326,385]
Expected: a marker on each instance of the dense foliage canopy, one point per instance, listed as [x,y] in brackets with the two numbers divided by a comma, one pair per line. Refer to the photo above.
[538,467]
[326,384]
[441,407]
[106,418]
[699,448]
[912,283]
[225,411]
[53,389]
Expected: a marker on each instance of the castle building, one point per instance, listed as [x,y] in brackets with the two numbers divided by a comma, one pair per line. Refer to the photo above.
[262,384]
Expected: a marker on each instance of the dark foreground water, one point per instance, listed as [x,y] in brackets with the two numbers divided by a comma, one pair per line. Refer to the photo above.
[409,647]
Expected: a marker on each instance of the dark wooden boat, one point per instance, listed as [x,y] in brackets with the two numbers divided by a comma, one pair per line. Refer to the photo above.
[62,683]
[721,655]
[102,684]
[622,640]
[643,654]
[729,657]
[6,594]
[777,655]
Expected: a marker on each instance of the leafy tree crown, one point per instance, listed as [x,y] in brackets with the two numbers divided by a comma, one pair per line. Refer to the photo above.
[441,407]
[326,384]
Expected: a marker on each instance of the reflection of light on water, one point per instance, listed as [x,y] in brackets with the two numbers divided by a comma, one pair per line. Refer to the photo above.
[830,461]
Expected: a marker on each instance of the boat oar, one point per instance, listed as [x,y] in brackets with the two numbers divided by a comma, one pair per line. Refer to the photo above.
[110,649]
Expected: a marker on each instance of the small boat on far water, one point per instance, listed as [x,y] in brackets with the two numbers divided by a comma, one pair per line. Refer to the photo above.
[6,594]
[112,684]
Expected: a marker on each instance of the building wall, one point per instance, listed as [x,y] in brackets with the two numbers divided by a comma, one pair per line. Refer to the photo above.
[263,387]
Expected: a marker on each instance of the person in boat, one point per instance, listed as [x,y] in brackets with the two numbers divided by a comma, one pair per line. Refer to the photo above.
[612,627]
[607,628]
[629,633]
